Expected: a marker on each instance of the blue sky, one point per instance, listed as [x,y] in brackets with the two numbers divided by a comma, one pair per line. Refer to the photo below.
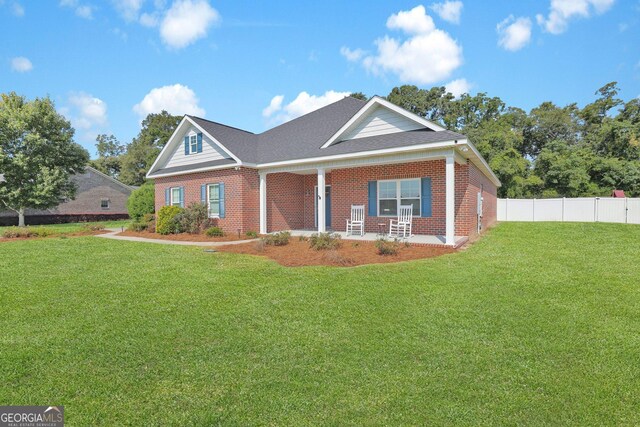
[106,64]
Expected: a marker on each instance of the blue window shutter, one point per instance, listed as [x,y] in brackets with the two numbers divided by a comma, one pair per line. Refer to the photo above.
[203,193]
[167,196]
[199,143]
[426,197]
[222,200]
[373,198]
[186,145]
[182,197]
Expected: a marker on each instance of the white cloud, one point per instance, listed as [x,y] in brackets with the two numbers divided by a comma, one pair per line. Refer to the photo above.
[187,21]
[562,11]
[87,111]
[149,20]
[429,55]
[83,11]
[514,34]
[414,21]
[274,105]
[303,104]
[129,9]
[21,64]
[18,9]
[449,11]
[458,87]
[176,99]
[352,55]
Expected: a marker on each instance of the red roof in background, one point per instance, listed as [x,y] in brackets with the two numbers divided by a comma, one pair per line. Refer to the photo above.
[618,193]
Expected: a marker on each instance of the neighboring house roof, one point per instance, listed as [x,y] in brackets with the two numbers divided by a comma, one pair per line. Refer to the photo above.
[618,193]
[320,133]
[123,185]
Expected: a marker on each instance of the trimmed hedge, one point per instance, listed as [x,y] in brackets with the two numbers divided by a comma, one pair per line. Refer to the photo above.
[166,220]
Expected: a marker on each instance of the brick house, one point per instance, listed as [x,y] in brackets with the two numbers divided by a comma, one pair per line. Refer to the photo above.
[99,198]
[361,153]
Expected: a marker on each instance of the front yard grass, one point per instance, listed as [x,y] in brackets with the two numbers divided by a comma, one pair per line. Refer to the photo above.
[75,227]
[535,324]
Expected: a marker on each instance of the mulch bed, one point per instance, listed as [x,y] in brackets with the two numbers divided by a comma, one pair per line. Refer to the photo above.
[184,237]
[298,253]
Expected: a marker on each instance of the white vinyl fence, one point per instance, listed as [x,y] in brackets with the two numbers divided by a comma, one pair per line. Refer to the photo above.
[584,209]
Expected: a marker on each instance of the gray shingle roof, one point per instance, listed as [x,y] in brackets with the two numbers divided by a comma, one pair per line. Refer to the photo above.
[186,168]
[303,137]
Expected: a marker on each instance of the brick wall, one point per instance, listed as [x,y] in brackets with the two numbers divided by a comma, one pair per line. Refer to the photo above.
[241,195]
[480,183]
[285,201]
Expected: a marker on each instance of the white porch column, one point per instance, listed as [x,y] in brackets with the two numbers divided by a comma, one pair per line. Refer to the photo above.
[263,203]
[450,199]
[322,221]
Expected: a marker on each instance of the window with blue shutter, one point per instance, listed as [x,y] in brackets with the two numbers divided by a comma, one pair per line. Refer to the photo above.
[186,145]
[203,193]
[182,197]
[199,143]
[373,198]
[426,196]
[222,210]
[167,196]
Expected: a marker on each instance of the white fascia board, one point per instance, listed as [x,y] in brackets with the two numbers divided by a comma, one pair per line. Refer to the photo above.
[208,168]
[172,141]
[376,100]
[427,146]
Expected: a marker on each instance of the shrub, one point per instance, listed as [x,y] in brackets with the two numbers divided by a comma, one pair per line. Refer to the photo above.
[148,218]
[16,232]
[93,227]
[214,232]
[386,247]
[166,223]
[334,257]
[251,234]
[141,201]
[324,241]
[302,238]
[277,239]
[138,226]
[194,218]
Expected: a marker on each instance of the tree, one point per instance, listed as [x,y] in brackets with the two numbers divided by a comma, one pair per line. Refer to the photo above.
[143,150]
[37,155]
[141,201]
[359,95]
[110,153]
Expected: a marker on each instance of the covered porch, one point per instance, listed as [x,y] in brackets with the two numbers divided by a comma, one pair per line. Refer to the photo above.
[290,200]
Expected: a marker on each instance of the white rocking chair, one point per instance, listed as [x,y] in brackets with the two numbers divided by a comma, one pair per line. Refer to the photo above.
[401,227]
[357,219]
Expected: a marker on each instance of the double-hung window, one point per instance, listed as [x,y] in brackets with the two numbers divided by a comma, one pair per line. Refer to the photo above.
[193,144]
[395,193]
[176,196]
[213,200]
[104,203]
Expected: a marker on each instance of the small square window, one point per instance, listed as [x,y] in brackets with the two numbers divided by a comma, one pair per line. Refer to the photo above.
[104,204]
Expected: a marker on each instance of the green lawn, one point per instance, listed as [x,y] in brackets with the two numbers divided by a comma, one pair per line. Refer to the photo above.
[536,324]
[74,227]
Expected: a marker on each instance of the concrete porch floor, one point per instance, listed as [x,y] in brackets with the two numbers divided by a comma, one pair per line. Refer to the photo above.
[420,239]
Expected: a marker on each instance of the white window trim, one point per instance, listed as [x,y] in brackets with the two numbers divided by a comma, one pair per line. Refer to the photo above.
[398,197]
[193,137]
[209,201]
[171,197]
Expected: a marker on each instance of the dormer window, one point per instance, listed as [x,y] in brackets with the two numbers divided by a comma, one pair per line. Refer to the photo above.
[192,144]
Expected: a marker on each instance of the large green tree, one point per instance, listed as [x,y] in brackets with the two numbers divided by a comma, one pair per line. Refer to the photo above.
[110,153]
[37,155]
[143,150]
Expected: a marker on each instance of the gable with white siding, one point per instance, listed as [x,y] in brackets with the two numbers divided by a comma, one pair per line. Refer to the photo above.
[380,121]
[210,151]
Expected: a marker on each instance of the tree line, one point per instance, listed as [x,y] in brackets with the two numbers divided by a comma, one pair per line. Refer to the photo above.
[550,151]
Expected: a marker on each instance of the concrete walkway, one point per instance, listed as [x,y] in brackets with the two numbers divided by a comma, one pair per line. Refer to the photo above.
[113,234]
